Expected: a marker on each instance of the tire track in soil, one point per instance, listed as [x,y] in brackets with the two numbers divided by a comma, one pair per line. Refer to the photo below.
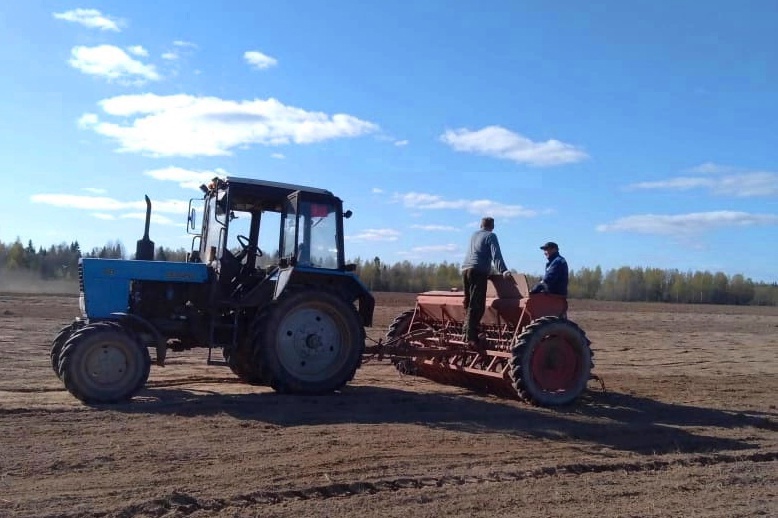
[194,380]
[199,380]
[33,390]
[182,504]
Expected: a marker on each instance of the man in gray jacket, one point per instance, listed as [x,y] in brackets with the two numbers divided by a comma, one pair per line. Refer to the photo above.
[483,252]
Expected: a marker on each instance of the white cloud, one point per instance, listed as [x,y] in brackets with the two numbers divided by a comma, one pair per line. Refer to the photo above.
[101,203]
[376,190]
[423,201]
[435,248]
[742,185]
[686,224]
[259,60]
[104,216]
[400,143]
[94,190]
[186,178]
[436,228]
[279,156]
[183,48]
[680,183]
[138,50]
[710,167]
[91,18]
[760,183]
[185,125]
[87,120]
[111,63]
[439,252]
[375,234]
[498,142]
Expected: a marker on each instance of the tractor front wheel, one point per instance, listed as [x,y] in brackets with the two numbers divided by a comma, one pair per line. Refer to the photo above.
[311,343]
[104,363]
[59,341]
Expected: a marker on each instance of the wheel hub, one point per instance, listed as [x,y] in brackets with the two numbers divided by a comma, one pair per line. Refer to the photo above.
[106,364]
[309,342]
[555,365]
[313,342]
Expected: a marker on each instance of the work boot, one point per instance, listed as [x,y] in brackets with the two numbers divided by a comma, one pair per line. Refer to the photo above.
[476,345]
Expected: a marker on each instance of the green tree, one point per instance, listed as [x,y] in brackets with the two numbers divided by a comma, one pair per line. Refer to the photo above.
[16,258]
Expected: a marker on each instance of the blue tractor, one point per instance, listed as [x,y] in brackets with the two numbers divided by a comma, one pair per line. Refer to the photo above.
[292,317]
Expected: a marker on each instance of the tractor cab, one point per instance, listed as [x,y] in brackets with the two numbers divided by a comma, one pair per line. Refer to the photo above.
[252,229]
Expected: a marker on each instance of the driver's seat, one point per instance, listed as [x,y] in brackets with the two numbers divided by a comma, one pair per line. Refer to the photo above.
[229,272]
[243,278]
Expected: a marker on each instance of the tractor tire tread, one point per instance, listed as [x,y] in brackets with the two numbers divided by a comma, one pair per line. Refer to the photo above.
[70,346]
[274,374]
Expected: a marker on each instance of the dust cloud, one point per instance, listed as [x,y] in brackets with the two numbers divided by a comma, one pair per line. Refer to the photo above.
[15,281]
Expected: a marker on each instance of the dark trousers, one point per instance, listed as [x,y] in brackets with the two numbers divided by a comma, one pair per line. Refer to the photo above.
[475,301]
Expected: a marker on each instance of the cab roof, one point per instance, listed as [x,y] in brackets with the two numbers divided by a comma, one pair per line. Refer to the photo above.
[272,189]
[252,194]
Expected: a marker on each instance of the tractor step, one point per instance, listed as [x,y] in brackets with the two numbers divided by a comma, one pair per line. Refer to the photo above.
[211,361]
[213,344]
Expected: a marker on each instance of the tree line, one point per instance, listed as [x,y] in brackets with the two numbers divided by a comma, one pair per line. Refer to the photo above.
[629,284]
[60,262]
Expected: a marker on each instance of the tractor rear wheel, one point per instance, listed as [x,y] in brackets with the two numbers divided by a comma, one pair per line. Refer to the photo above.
[551,362]
[242,363]
[59,341]
[104,363]
[310,342]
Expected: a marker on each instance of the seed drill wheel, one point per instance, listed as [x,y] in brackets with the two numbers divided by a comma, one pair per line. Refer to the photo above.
[104,363]
[551,362]
[312,343]
[59,342]
[400,326]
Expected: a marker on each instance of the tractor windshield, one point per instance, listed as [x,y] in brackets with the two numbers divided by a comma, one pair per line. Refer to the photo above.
[311,234]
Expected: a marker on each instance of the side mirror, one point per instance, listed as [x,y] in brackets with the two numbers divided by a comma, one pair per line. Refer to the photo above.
[191,220]
[347,214]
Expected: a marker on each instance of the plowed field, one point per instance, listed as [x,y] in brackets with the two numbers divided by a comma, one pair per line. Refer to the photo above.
[688,426]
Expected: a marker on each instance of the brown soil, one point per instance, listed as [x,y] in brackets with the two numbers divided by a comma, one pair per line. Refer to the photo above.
[687,427]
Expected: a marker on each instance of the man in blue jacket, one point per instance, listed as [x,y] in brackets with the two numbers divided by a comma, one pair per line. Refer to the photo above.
[555,279]
[483,251]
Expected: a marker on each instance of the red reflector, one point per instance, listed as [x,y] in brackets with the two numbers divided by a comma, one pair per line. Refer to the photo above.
[319,210]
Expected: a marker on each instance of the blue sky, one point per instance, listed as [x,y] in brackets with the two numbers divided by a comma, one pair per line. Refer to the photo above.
[632,133]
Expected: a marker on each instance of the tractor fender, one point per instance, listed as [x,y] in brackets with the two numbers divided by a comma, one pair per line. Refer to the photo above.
[160,344]
[347,285]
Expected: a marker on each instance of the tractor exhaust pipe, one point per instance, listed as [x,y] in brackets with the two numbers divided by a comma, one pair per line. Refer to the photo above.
[144,250]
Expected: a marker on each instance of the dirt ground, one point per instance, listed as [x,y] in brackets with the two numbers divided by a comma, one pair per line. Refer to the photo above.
[687,427]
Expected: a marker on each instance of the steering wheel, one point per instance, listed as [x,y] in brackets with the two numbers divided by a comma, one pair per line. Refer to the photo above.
[245,244]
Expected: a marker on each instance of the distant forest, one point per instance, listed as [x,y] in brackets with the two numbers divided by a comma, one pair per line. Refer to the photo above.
[60,263]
